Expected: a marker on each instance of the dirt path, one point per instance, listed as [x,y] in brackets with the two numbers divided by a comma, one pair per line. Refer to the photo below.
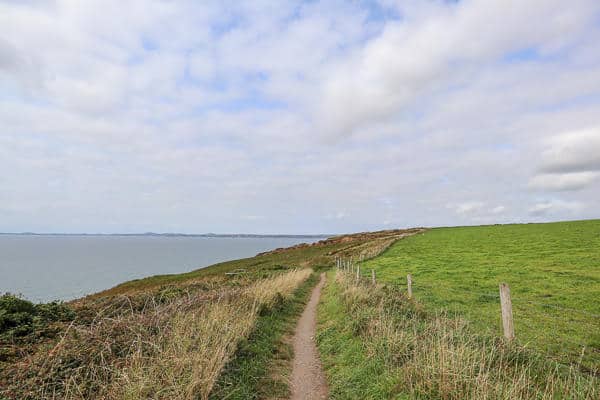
[308,381]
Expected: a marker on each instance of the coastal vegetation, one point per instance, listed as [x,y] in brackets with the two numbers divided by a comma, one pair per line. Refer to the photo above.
[19,318]
[169,345]
[219,331]
[224,331]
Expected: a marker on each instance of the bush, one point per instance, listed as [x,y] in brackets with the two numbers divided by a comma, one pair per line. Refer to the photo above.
[16,315]
[20,317]
[55,311]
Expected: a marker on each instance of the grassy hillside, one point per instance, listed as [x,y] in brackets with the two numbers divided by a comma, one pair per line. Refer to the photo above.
[211,333]
[553,271]
[316,255]
[220,332]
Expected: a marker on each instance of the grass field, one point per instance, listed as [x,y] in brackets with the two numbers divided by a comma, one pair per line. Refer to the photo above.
[375,344]
[553,271]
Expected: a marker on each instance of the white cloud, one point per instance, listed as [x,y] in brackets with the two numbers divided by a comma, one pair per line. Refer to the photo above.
[469,207]
[413,57]
[498,210]
[478,212]
[569,161]
[337,215]
[577,151]
[253,217]
[548,208]
[188,116]
[563,182]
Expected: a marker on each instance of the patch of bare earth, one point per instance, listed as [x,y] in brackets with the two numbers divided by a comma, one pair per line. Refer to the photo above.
[308,380]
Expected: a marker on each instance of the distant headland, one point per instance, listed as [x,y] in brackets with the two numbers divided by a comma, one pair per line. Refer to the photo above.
[175,234]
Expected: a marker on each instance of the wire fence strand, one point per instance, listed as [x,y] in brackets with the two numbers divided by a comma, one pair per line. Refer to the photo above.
[517,301]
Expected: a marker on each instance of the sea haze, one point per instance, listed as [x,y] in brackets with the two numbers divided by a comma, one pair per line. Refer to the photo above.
[54,267]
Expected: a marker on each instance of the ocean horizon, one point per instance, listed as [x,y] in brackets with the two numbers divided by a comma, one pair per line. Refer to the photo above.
[47,267]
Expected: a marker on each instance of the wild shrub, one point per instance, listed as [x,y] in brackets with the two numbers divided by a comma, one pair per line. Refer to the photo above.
[20,317]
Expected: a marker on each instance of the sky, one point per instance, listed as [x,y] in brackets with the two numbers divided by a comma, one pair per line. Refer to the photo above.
[297,116]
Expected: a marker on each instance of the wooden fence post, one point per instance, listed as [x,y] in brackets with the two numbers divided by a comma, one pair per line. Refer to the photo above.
[409,285]
[357,272]
[507,316]
[373,276]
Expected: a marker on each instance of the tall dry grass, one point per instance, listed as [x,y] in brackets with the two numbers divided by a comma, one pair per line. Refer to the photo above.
[437,356]
[188,358]
[167,350]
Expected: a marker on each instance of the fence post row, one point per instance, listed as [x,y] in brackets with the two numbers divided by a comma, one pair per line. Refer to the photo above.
[507,317]
[505,300]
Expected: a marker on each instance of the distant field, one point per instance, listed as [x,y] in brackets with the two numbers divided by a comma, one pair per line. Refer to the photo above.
[553,271]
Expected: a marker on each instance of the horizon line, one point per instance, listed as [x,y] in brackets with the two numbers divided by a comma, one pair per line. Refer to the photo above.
[324,235]
[209,234]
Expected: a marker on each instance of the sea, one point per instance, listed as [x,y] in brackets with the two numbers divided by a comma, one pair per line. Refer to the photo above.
[44,268]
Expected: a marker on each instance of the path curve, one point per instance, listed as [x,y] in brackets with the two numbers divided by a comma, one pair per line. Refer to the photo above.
[308,380]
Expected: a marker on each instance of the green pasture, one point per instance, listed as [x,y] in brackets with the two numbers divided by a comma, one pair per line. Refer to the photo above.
[553,271]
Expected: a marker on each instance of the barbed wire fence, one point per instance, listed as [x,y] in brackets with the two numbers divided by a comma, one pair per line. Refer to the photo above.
[522,306]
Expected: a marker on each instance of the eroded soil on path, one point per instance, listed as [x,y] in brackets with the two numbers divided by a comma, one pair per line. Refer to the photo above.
[308,380]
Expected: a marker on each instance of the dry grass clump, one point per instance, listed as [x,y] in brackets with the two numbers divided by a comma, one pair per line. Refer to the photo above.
[187,361]
[170,346]
[439,357]
[267,291]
